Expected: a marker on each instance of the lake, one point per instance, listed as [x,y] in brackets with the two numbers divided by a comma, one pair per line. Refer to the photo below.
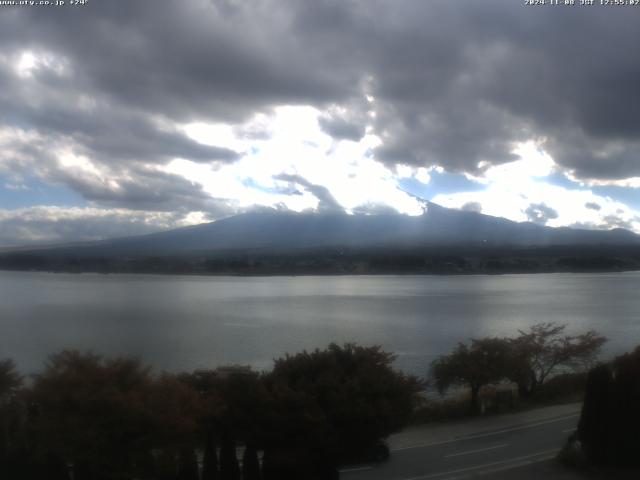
[188,322]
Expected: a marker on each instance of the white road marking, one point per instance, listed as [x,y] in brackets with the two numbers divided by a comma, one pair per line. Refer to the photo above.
[355,469]
[476,451]
[517,460]
[482,435]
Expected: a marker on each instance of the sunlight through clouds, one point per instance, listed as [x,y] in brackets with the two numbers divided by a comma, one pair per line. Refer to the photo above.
[517,190]
[28,62]
[219,107]
[296,147]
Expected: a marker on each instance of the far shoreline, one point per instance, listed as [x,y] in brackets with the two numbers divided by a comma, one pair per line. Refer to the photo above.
[318,274]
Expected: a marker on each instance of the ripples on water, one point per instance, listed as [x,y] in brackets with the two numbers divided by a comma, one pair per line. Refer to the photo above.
[188,322]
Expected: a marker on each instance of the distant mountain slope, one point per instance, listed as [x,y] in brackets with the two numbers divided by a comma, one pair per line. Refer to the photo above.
[273,231]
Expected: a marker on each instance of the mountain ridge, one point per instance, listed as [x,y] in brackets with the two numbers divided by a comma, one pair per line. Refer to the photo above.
[285,230]
[441,240]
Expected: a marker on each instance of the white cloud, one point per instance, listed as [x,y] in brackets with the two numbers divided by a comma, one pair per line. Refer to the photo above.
[513,187]
[51,224]
[217,135]
[296,146]
[533,163]
[631,182]
[26,62]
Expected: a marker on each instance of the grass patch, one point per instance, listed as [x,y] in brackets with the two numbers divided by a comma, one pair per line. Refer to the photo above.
[561,389]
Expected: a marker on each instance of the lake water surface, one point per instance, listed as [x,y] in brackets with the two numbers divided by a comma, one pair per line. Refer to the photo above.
[189,322]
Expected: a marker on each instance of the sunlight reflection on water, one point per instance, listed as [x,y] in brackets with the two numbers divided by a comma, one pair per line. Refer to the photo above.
[187,322]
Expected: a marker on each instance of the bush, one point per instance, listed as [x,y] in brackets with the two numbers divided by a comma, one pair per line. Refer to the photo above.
[451,408]
[572,454]
[567,387]
[349,396]
[114,418]
[609,427]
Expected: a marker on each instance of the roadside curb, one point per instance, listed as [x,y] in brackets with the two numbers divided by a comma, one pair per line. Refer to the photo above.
[431,434]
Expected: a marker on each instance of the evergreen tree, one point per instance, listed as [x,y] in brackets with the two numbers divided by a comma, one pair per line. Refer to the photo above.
[210,459]
[268,470]
[625,411]
[145,464]
[229,468]
[20,464]
[609,428]
[593,428]
[250,463]
[83,470]
[167,465]
[56,467]
[187,464]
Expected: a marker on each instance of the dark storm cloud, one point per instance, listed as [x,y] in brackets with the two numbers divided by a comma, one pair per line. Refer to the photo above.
[132,186]
[106,131]
[457,83]
[491,73]
[342,129]
[451,83]
[144,190]
[185,60]
[540,213]
[346,123]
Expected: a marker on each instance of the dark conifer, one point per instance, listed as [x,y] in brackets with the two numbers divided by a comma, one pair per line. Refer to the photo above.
[210,459]
[250,463]
[56,468]
[624,411]
[167,467]
[187,464]
[593,428]
[229,468]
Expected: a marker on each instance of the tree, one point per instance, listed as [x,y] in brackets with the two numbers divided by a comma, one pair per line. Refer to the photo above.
[545,349]
[91,411]
[626,409]
[173,408]
[482,363]
[10,382]
[10,379]
[250,463]
[210,458]
[234,398]
[187,464]
[594,424]
[166,465]
[341,401]
[229,467]
[609,427]
[107,416]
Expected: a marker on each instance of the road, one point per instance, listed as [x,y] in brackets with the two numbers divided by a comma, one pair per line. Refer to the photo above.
[474,448]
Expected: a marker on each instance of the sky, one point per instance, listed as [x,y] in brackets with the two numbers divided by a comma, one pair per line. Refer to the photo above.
[125,117]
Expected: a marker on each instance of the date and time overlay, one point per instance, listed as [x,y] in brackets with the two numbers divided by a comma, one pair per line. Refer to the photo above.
[584,3]
[44,3]
[558,3]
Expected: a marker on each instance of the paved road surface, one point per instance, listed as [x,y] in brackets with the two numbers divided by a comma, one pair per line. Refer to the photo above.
[473,448]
